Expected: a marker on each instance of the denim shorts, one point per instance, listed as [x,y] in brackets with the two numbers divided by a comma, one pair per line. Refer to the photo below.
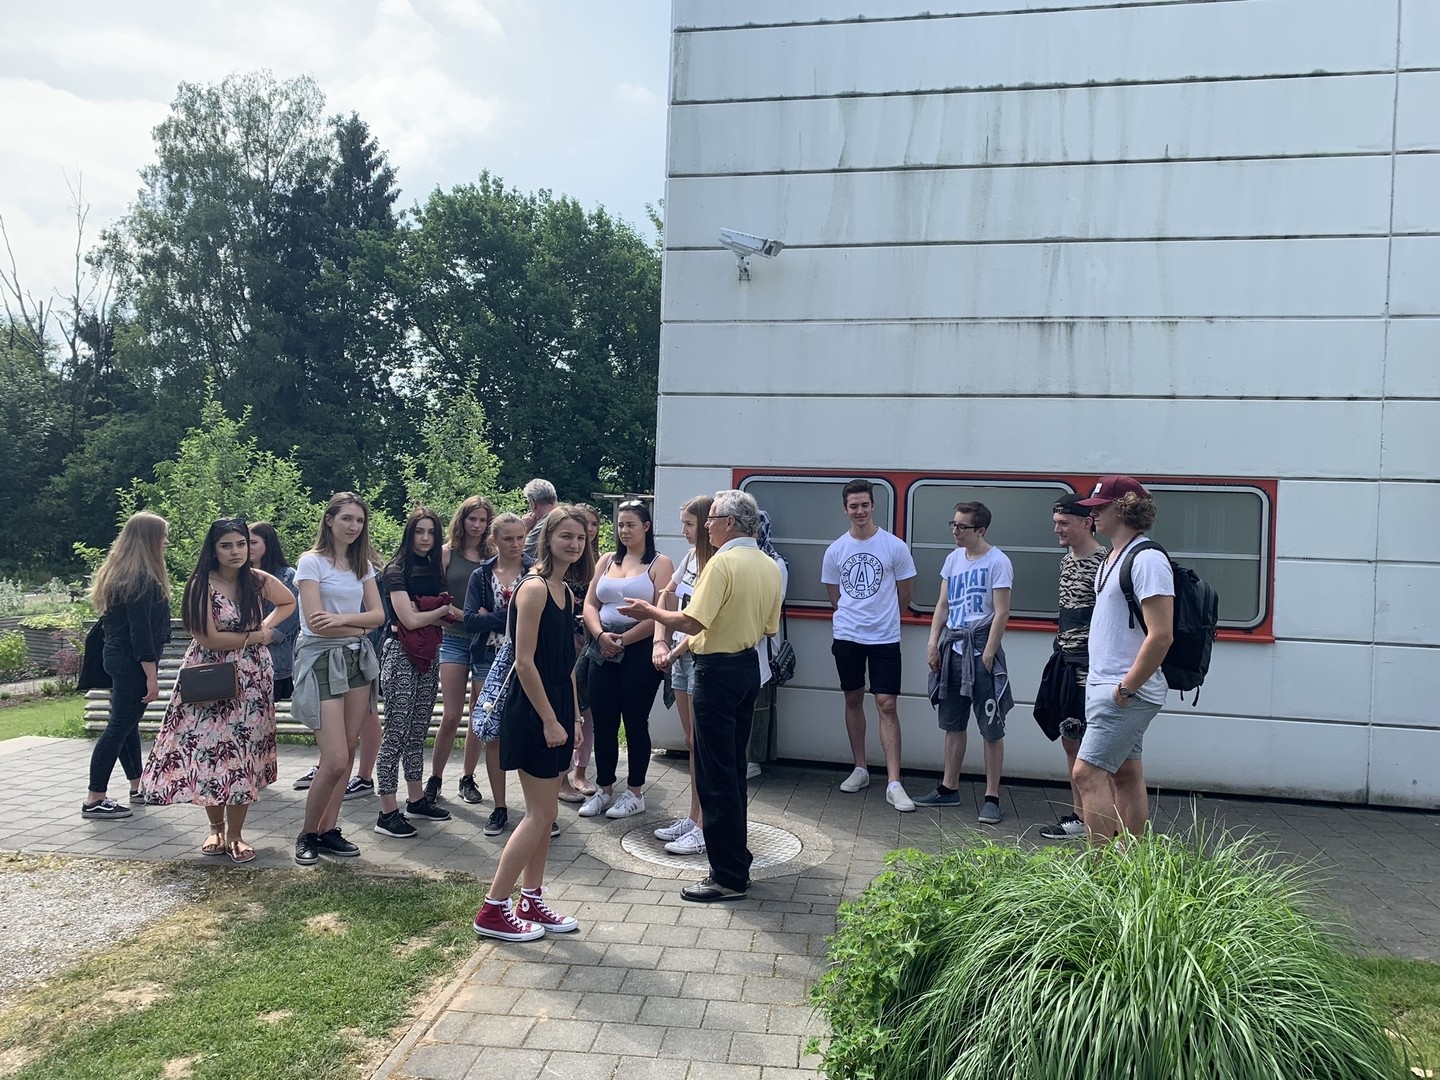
[456,650]
[682,673]
[1113,735]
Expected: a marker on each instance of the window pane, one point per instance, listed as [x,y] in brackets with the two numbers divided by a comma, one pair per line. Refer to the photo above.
[1021,527]
[1200,520]
[806,515]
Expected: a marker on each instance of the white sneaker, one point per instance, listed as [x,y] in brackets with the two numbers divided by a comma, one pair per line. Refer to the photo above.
[675,830]
[595,804]
[627,804]
[856,781]
[692,843]
[752,771]
[896,797]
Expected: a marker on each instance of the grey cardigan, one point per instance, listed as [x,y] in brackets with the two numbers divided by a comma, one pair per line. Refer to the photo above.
[311,651]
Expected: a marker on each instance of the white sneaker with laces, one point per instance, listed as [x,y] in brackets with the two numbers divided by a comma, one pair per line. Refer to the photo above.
[595,805]
[627,804]
[675,829]
[856,781]
[692,843]
[896,797]
[752,771]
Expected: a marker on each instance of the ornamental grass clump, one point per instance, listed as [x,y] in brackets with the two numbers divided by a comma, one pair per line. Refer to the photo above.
[1171,958]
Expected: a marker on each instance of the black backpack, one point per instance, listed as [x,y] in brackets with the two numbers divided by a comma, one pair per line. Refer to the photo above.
[1197,614]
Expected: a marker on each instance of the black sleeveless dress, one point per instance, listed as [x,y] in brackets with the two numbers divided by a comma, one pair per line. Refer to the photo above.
[522,734]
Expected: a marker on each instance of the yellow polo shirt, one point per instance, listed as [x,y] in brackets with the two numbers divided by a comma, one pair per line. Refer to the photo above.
[737,599]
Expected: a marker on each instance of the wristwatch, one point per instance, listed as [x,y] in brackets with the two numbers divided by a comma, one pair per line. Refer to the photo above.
[1125,692]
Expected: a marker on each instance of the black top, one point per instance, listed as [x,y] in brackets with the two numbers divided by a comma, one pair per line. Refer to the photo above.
[139,626]
[522,735]
[416,580]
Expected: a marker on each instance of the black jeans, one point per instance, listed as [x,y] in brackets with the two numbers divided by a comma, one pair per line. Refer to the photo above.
[723,701]
[624,690]
[121,737]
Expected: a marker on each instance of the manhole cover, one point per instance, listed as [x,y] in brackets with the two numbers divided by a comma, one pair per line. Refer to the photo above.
[778,850]
[769,845]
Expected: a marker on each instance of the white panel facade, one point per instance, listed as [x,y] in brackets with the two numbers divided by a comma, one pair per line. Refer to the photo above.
[1205,233]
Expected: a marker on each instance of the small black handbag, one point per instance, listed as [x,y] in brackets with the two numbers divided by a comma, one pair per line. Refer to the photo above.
[782,660]
[203,684]
[93,675]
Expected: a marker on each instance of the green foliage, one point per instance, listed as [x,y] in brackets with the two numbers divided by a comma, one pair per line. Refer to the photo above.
[456,462]
[1169,959]
[14,653]
[58,717]
[219,471]
[12,596]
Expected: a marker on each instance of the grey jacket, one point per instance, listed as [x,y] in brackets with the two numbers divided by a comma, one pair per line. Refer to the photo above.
[311,651]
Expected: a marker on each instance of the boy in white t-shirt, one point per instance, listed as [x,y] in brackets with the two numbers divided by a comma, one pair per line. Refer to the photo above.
[1125,687]
[966,657]
[870,577]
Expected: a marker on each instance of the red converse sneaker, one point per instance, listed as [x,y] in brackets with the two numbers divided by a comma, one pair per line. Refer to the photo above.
[498,921]
[534,908]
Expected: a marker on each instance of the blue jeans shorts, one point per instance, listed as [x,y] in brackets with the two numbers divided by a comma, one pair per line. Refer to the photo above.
[1113,735]
[682,673]
[456,650]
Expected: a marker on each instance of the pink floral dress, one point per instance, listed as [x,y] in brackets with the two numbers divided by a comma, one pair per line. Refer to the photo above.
[221,753]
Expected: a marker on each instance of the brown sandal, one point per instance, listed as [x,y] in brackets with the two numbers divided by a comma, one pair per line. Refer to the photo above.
[214,844]
[241,852]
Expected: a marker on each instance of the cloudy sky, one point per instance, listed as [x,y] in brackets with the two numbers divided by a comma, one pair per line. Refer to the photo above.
[562,94]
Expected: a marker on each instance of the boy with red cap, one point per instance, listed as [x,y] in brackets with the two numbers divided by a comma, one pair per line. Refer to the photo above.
[1125,688]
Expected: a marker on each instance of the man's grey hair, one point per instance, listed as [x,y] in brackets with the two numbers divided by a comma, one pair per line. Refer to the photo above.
[539,492]
[741,507]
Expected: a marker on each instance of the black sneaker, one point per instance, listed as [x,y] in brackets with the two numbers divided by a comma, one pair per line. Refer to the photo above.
[1068,827]
[105,810]
[499,818]
[432,788]
[305,779]
[332,843]
[394,824]
[307,849]
[358,788]
[554,829]
[427,809]
[469,791]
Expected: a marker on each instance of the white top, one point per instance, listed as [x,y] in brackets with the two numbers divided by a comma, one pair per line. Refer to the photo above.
[341,592]
[867,572]
[1114,644]
[687,572]
[970,586]
[613,591]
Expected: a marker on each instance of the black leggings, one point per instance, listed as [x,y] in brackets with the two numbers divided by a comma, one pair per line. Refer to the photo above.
[121,737]
[624,690]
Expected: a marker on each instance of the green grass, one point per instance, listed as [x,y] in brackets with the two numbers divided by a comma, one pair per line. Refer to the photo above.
[1409,992]
[57,716]
[304,975]
[1172,958]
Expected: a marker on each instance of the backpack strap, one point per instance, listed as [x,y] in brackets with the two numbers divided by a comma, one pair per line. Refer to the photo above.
[1127,585]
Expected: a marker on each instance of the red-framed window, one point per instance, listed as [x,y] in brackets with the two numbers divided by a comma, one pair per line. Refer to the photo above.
[1222,527]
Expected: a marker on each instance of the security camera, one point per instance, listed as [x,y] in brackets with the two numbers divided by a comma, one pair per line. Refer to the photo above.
[745,244]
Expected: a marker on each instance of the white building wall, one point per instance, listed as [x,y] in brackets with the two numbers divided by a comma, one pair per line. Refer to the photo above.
[1214,227]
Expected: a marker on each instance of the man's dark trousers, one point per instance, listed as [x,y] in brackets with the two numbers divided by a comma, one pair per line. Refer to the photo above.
[723,700]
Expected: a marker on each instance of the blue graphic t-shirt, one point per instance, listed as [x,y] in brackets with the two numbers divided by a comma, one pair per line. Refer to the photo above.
[970,586]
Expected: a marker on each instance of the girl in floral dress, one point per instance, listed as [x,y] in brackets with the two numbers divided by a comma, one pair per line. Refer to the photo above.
[220,754]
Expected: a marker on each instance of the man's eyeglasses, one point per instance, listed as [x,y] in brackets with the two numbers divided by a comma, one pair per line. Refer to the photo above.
[960,526]
[718,517]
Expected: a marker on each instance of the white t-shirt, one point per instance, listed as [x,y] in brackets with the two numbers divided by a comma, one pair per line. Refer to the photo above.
[687,572]
[1114,643]
[341,591]
[970,586]
[867,572]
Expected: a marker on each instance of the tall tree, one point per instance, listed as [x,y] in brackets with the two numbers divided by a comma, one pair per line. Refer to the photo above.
[550,316]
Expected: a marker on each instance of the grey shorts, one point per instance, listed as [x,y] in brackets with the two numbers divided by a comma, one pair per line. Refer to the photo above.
[682,673]
[1113,735]
[955,708]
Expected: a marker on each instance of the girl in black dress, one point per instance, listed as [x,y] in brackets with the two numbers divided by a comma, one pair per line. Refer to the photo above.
[537,729]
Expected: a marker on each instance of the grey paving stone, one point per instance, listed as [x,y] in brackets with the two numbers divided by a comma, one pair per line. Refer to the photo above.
[527,974]
[564,1065]
[777,991]
[745,963]
[736,1016]
[703,986]
[701,960]
[647,982]
[502,1061]
[576,1035]
[548,1004]
[667,1011]
[709,1070]
[651,1068]
[696,1043]
[629,1040]
[751,1048]
[441,1061]
[489,1030]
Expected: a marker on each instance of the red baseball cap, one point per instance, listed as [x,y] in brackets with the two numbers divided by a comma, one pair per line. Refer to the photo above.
[1110,488]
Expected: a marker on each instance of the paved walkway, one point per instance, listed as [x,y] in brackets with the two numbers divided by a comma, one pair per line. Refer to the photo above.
[653,987]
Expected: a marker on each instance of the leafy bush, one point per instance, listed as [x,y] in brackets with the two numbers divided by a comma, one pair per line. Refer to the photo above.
[12,596]
[1169,959]
[14,653]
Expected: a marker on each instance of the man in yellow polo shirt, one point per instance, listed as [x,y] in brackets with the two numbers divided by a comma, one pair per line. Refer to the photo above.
[736,602]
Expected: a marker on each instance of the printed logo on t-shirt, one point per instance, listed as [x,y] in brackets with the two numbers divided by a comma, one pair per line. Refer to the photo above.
[861,575]
[969,590]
